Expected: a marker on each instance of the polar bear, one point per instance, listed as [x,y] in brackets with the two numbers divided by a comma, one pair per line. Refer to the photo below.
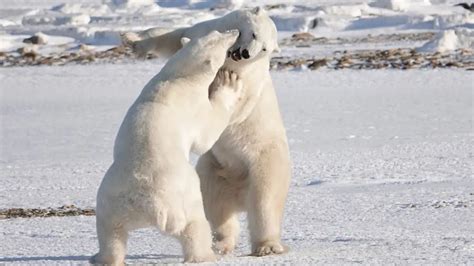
[151,182]
[248,169]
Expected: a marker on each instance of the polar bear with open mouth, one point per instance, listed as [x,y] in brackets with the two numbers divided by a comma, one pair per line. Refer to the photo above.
[151,182]
[248,169]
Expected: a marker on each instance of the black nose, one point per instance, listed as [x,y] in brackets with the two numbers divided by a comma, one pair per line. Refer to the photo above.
[236,55]
[245,54]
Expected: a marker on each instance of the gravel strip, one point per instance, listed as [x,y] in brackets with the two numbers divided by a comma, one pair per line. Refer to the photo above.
[380,59]
[66,210]
[399,58]
[306,39]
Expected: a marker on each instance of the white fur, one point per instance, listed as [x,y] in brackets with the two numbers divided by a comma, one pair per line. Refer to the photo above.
[248,169]
[151,182]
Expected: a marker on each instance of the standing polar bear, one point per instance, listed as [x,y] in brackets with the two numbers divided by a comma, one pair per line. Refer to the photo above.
[248,169]
[151,182]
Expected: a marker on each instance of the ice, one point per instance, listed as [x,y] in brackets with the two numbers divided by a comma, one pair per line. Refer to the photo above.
[132,3]
[400,5]
[11,42]
[77,8]
[450,40]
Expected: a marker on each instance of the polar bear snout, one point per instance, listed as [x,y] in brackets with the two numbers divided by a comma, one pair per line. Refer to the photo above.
[245,54]
[235,55]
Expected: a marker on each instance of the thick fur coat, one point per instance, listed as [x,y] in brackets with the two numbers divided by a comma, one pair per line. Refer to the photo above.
[151,182]
[248,169]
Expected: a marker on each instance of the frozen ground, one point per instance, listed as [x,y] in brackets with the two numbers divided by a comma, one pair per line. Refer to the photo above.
[382,160]
[382,164]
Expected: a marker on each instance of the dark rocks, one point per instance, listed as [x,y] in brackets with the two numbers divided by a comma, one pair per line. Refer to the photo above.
[85,55]
[66,210]
[357,59]
[380,59]
[302,36]
[317,64]
[382,38]
[274,6]
[38,38]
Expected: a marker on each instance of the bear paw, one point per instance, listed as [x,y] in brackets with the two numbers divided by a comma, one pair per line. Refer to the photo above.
[227,88]
[269,248]
[224,246]
[98,259]
[210,257]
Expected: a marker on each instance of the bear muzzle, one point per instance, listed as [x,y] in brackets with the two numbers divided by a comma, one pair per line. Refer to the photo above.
[237,55]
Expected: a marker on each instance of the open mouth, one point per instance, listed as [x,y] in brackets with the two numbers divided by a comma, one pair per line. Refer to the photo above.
[237,54]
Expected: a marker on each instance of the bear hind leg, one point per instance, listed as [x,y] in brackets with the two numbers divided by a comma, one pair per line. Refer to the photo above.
[221,211]
[194,233]
[196,242]
[269,183]
[112,243]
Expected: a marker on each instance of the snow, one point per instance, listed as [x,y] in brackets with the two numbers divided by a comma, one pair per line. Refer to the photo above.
[97,22]
[382,164]
[227,4]
[396,224]
[132,3]
[382,159]
[11,42]
[400,5]
[75,8]
[450,40]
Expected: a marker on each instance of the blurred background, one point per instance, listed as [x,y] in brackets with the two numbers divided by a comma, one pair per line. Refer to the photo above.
[52,27]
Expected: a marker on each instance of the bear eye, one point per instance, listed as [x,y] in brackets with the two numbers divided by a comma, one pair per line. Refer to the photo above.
[254,36]
[264,49]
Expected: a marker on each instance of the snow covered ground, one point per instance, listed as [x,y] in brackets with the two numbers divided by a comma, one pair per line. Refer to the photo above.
[382,159]
[382,164]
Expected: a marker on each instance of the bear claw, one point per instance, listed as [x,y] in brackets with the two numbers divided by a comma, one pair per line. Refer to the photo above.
[269,248]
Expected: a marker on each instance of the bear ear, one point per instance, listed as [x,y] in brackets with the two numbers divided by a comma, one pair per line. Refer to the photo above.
[257,11]
[185,41]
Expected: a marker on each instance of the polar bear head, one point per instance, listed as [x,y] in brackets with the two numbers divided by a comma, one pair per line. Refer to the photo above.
[208,54]
[258,35]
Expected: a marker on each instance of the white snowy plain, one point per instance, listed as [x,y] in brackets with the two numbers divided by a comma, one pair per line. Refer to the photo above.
[382,164]
[382,160]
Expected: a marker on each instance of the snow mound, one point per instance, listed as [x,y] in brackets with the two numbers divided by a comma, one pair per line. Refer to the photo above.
[91,9]
[11,42]
[5,23]
[224,4]
[89,35]
[347,10]
[400,5]
[289,22]
[132,3]
[39,38]
[56,19]
[450,40]
[229,4]
[454,20]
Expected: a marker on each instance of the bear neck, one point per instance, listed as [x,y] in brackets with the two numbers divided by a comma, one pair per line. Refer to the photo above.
[175,72]
[243,68]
